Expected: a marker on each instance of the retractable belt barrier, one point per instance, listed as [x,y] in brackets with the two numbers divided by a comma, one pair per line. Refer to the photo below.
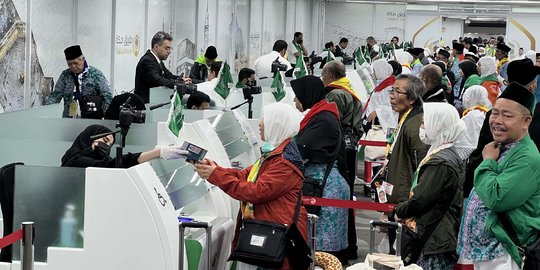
[383,207]
[372,143]
[11,238]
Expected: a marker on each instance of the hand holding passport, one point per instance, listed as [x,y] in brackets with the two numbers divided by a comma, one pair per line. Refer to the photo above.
[195,153]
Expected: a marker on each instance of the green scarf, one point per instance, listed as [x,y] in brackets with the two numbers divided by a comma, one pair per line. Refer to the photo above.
[491,77]
[472,80]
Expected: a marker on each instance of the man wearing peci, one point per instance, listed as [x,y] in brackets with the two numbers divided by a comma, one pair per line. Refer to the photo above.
[80,79]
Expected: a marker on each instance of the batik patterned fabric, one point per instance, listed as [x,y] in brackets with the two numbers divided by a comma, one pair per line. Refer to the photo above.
[93,82]
[331,230]
[438,261]
[475,241]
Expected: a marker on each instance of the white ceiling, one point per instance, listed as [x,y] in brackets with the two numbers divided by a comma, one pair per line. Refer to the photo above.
[481,2]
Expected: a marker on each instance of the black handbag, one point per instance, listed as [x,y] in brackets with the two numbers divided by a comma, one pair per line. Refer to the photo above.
[264,243]
[313,188]
[350,137]
[91,107]
[531,253]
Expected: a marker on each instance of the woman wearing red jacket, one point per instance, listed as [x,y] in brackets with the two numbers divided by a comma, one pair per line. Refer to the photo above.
[268,190]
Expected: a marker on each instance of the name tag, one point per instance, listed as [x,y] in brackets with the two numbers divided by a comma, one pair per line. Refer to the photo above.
[257,240]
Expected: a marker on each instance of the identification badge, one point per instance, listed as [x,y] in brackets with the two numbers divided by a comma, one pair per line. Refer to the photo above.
[382,195]
[257,240]
[389,134]
[73,108]
[388,188]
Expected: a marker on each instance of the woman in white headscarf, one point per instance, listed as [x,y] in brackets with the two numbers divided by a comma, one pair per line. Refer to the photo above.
[405,59]
[268,190]
[433,210]
[378,105]
[487,67]
[475,104]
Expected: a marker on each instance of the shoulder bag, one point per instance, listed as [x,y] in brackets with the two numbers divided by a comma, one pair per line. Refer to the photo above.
[531,253]
[313,188]
[91,106]
[265,243]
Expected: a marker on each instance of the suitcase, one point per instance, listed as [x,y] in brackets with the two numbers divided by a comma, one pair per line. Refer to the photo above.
[384,261]
[205,225]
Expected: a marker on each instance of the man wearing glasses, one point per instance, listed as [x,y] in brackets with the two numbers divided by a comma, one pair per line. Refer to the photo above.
[406,150]
[151,72]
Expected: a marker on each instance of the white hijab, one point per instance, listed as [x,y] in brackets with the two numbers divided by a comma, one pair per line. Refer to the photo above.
[281,121]
[488,66]
[403,57]
[382,69]
[531,55]
[474,96]
[442,124]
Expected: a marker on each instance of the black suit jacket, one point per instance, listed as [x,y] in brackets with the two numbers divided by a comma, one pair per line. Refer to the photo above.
[150,73]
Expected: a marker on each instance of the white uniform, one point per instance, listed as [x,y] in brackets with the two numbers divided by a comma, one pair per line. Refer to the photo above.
[208,88]
[263,64]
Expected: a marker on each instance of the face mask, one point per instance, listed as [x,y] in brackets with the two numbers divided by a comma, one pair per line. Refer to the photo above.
[267,148]
[102,150]
[300,41]
[422,135]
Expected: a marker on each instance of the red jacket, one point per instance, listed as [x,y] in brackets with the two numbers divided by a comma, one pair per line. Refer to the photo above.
[273,195]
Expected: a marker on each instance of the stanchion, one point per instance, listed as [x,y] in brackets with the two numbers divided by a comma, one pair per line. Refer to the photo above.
[313,219]
[27,246]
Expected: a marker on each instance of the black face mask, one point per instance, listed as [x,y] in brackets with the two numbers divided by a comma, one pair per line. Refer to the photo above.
[102,150]
[300,41]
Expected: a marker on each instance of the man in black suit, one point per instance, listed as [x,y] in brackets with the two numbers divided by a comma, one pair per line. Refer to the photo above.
[151,72]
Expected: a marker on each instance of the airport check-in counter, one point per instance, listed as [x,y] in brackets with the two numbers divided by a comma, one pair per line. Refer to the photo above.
[230,141]
[96,218]
[122,211]
[128,218]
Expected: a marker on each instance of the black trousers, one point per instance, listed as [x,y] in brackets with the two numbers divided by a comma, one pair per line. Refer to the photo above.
[352,248]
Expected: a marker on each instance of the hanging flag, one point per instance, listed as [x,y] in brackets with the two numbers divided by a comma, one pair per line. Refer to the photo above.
[224,79]
[383,51]
[176,115]
[300,68]
[278,87]
[393,51]
[359,56]
[328,56]
[367,55]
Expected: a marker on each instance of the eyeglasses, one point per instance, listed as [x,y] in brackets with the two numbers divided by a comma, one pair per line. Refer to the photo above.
[392,91]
